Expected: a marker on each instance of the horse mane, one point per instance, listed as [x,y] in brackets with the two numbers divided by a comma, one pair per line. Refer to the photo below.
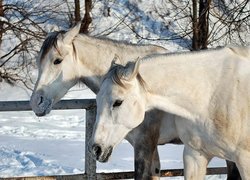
[116,76]
[104,42]
[100,39]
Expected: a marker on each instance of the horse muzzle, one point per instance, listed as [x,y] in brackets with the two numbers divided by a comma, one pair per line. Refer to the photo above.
[101,154]
[40,104]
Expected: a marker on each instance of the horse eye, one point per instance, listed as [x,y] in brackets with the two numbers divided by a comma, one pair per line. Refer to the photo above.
[117,103]
[57,61]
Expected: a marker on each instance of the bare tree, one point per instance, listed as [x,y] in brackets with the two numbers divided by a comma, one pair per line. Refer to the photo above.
[204,23]
[200,24]
[87,18]
[77,11]
[195,40]
[22,34]
[233,22]
[213,22]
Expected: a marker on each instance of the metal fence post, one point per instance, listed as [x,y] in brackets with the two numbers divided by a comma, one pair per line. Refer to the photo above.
[90,163]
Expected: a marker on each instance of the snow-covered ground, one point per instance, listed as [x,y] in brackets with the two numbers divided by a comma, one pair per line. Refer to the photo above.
[55,144]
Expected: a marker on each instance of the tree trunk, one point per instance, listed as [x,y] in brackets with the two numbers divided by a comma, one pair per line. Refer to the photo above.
[87,18]
[1,23]
[77,11]
[195,39]
[203,23]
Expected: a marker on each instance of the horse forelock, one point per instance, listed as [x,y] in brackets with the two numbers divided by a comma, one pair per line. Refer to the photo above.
[115,74]
[49,42]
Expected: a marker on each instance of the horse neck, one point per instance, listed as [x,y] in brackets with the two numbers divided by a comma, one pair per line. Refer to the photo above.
[182,84]
[95,56]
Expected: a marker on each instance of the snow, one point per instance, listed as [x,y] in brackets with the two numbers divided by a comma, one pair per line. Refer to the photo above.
[3,19]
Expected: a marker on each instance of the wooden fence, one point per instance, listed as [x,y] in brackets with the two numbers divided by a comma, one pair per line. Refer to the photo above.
[90,164]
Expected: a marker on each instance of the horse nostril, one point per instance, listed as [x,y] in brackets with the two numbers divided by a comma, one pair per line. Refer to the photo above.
[97,150]
[40,100]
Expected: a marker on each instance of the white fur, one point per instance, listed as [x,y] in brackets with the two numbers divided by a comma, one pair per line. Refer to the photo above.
[209,91]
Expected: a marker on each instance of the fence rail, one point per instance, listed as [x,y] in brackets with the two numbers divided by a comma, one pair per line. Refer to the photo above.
[90,164]
[116,175]
[61,105]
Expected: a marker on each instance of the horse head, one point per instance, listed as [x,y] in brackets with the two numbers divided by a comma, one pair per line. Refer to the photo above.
[120,108]
[57,70]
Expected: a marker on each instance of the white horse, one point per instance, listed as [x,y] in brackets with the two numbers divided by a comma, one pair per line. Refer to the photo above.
[209,92]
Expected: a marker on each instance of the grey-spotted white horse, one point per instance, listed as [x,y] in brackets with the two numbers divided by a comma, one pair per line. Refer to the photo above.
[67,57]
[209,92]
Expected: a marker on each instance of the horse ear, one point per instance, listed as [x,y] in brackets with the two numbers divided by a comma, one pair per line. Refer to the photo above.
[131,70]
[69,36]
[115,60]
